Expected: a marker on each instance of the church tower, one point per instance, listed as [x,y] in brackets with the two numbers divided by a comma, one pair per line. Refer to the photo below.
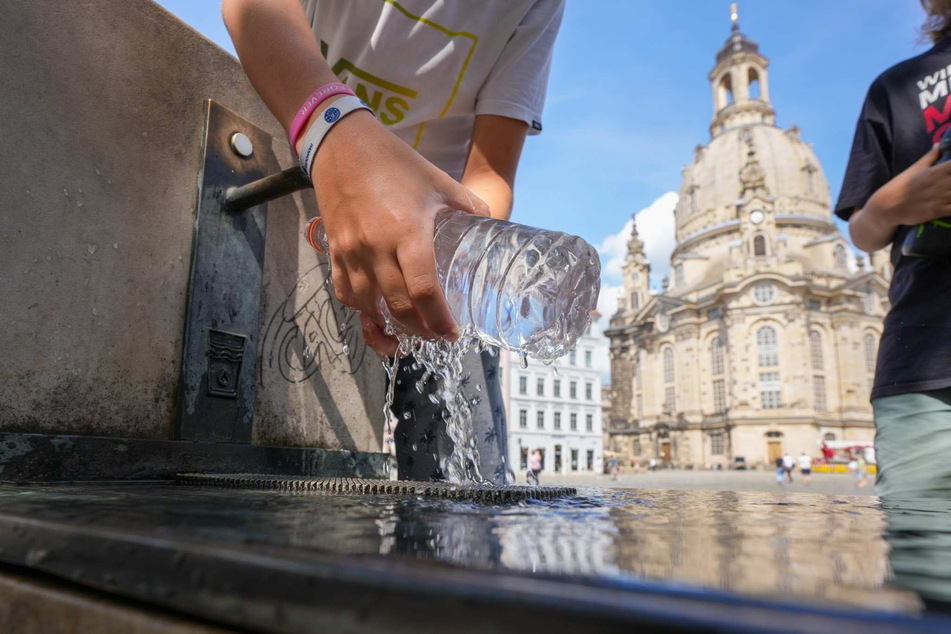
[765,339]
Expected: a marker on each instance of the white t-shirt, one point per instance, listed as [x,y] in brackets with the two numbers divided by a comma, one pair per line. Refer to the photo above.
[428,67]
[805,462]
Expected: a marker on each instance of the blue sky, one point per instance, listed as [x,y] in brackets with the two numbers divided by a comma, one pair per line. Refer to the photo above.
[629,99]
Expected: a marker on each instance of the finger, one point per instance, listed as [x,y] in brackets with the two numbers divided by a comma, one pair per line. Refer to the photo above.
[396,295]
[365,294]
[379,341]
[341,283]
[459,197]
[929,157]
[418,265]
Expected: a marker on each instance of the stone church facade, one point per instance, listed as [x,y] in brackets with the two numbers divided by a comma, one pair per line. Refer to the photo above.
[764,341]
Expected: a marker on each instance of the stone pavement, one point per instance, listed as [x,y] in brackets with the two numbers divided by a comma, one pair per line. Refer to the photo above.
[824,483]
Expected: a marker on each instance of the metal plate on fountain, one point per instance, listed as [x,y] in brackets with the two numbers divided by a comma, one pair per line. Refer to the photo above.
[358,486]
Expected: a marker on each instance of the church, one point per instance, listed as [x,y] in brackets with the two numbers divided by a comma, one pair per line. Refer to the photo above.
[765,340]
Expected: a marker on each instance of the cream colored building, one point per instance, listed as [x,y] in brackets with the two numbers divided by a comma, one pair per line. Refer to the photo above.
[765,340]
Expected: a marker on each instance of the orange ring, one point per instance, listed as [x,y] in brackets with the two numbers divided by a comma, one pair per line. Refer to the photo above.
[311,226]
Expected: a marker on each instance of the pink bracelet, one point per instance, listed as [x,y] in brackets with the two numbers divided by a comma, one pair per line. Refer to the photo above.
[316,98]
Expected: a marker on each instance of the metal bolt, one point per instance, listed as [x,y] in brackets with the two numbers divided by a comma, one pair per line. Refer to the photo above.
[241,144]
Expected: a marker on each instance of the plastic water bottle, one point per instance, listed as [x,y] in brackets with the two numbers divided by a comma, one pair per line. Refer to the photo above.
[521,288]
[933,238]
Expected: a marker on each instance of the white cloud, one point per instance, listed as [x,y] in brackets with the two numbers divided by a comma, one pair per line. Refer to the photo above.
[655,224]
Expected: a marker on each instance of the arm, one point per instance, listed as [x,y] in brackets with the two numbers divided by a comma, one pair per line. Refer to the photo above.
[919,194]
[493,160]
[366,180]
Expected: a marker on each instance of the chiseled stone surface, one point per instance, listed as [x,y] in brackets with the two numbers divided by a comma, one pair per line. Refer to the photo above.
[102,122]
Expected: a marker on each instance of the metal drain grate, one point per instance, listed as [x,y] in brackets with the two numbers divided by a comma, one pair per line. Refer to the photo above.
[357,486]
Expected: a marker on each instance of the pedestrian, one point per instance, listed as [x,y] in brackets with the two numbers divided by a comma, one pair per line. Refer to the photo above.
[861,471]
[891,186]
[789,464]
[613,469]
[407,109]
[534,467]
[805,467]
[652,464]
[780,471]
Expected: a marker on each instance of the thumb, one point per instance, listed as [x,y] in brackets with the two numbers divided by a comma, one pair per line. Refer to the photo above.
[929,158]
[459,197]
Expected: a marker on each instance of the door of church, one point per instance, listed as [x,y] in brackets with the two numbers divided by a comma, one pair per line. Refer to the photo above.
[665,451]
[775,450]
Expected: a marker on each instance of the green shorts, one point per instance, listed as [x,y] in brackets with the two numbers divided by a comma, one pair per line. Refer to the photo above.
[913,444]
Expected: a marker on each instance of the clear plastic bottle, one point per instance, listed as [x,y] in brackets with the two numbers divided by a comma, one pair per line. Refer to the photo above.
[520,288]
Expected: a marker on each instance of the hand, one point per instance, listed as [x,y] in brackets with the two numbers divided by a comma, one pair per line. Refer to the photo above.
[920,193]
[383,344]
[378,199]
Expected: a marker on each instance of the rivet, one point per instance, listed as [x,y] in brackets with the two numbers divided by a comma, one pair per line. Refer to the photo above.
[241,145]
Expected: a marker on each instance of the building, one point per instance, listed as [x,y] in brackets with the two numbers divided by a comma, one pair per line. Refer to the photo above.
[556,409]
[765,340]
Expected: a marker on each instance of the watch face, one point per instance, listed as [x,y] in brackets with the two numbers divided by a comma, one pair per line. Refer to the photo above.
[757,216]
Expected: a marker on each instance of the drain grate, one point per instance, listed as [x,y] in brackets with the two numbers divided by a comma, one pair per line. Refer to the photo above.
[358,486]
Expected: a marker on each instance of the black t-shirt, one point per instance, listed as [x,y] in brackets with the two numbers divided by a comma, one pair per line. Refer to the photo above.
[907,109]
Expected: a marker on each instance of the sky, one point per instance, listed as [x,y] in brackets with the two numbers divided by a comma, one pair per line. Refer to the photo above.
[629,99]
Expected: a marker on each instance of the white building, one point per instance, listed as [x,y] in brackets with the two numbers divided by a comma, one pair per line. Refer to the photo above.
[555,409]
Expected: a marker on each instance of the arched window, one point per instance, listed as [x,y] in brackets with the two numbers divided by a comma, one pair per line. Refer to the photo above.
[840,261]
[828,437]
[679,275]
[635,304]
[759,245]
[767,346]
[726,91]
[668,365]
[870,353]
[753,81]
[815,350]
[716,356]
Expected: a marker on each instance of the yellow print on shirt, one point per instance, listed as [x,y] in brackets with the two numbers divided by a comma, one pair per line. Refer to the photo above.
[389,100]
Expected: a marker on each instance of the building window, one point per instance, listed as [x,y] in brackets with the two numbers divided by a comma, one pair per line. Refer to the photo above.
[573,357]
[589,422]
[719,396]
[557,421]
[523,385]
[639,404]
[638,378]
[637,447]
[841,264]
[587,358]
[523,458]
[769,390]
[679,275]
[590,462]
[813,304]
[716,444]
[573,422]
[759,246]
[871,303]
[540,387]
[713,314]
[574,459]
[523,419]
[828,437]
[819,392]
[716,355]
[573,389]
[668,365]
[870,353]
[670,399]
[767,346]
[763,293]
[634,303]
[815,349]
[588,392]
[556,388]
[540,420]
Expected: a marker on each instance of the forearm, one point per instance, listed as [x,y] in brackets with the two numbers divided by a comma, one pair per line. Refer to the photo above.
[870,228]
[493,189]
[278,51]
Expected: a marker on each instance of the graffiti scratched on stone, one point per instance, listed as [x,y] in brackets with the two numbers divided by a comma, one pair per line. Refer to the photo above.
[311,332]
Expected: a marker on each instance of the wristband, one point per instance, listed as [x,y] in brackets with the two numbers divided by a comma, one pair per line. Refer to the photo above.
[322,124]
[310,104]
